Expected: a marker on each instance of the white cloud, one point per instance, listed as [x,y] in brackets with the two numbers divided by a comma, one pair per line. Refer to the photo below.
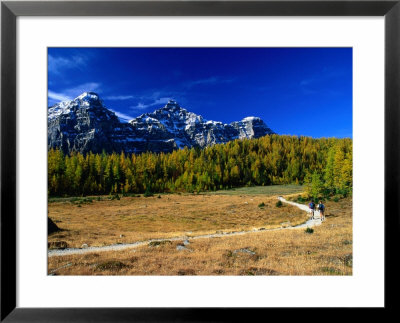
[58,64]
[119,97]
[210,80]
[72,93]
[162,101]
[139,106]
[85,87]
[122,116]
[57,96]
[142,106]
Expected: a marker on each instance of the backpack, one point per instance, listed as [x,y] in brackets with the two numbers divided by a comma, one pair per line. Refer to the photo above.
[311,205]
[321,207]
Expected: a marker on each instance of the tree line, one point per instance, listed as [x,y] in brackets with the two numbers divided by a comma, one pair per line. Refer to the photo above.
[324,165]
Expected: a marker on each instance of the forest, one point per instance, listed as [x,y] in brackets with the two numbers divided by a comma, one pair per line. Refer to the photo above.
[323,165]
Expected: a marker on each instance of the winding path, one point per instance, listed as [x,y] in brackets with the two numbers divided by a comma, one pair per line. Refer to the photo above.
[309,223]
[116,247]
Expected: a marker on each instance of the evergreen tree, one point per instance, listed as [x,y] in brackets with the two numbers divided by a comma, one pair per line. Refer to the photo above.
[264,161]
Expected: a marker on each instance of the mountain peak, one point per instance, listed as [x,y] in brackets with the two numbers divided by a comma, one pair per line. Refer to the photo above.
[88,96]
[172,106]
[249,119]
[172,103]
[85,124]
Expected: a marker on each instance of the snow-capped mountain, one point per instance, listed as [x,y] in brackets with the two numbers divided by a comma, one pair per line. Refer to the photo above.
[85,124]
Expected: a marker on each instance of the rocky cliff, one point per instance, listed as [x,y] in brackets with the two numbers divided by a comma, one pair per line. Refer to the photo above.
[85,124]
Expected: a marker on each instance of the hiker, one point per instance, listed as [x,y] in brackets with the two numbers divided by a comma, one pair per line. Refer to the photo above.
[321,209]
[312,208]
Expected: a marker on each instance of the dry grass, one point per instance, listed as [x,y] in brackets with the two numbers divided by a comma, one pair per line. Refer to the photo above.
[133,219]
[327,251]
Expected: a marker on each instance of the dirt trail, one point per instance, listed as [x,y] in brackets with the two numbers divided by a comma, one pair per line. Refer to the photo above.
[309,222]
[116,247]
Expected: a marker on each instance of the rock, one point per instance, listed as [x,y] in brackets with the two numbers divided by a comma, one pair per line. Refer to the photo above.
[348,260]
[186,242]
[53,272]
[85,124]
[335,260]
[57,245]
[182,248]
[183,272]
[112,265]
[254,271]
[51,226]
[84,246]
[331,271]
[245,250]
[121,236]
[158,243]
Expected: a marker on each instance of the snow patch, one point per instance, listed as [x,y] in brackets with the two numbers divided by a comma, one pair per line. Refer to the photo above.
[250,119]
[90,96]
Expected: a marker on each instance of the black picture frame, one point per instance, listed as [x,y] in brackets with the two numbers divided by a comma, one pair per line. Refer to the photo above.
[10,10]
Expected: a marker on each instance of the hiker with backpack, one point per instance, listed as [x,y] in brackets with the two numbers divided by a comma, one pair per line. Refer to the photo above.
[312,208]
[321,209]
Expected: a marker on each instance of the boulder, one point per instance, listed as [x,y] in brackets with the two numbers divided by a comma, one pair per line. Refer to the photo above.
[51,226]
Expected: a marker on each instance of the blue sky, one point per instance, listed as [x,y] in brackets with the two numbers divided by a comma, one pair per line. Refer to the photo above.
[296,91]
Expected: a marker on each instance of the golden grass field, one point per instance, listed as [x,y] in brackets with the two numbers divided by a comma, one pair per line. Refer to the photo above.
[327,251]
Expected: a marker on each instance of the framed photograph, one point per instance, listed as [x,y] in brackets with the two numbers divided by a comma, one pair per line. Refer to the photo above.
[196,154]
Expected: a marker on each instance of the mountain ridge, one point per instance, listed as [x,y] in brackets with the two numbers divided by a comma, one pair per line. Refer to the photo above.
[84,124]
